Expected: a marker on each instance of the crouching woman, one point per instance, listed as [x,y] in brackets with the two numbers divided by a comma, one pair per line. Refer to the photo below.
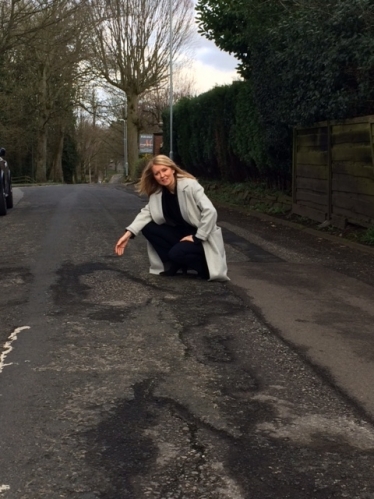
[179,223]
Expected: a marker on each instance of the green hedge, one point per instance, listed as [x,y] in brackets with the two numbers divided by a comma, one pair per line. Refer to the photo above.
[219,135]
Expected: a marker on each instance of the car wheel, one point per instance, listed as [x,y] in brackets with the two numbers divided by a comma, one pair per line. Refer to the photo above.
[9,199]
[3,208]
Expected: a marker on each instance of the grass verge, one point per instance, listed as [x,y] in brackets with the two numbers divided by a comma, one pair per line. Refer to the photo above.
[256,197]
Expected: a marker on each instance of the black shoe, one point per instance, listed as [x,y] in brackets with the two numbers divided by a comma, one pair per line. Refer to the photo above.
[203,275]
[174,268]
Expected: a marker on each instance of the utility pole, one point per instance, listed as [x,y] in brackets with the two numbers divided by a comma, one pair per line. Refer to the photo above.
[125,162]
[171,78]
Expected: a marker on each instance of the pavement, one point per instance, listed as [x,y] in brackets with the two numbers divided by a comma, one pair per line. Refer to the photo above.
[332,323]
[116,178]
[122,384]
[324,313]
[17,195]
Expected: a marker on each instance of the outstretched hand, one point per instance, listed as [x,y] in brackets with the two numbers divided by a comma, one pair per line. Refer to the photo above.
[122,243]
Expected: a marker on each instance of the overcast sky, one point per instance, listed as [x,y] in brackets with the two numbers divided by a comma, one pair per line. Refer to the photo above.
[211,66]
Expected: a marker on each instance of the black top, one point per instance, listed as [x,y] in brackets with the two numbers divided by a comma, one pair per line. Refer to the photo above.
[172,212]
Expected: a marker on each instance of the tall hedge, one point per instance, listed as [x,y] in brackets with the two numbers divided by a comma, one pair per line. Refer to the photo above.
[219,134]
[307,61]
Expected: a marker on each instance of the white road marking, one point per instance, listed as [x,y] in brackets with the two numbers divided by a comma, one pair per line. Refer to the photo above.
[7,348]
[3,488]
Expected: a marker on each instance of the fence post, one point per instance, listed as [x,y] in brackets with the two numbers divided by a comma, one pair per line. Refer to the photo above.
[371,142]
[294,169]
[329,169]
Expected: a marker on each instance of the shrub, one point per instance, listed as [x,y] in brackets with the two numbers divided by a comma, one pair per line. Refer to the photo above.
[368,237]
[140,165]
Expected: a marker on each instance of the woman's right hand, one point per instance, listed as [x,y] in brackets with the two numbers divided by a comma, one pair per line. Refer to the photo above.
[122,243]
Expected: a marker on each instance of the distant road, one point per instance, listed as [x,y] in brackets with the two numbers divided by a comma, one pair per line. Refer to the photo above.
[116,178]
[17,195]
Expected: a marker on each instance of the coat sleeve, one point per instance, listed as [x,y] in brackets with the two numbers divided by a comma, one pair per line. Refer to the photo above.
[208,213]
[140,221]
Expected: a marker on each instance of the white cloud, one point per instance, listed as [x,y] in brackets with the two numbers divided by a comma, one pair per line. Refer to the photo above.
[207,76]
[208,53]
[211,65]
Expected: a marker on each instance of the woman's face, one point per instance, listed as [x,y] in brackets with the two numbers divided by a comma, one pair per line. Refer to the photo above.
[164,175]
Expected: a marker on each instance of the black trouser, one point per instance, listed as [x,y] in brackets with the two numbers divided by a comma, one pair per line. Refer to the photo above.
[166,241]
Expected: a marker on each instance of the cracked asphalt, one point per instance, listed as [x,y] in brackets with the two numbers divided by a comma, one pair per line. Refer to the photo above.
[128,385]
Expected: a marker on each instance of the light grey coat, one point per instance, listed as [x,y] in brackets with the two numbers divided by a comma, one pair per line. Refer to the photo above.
[197,210]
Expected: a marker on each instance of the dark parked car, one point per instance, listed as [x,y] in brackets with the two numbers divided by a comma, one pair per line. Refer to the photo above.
[6,194]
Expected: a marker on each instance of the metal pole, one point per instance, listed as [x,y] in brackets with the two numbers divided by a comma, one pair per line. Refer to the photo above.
[125,161]
[171,80]
[125,140]
[125,147]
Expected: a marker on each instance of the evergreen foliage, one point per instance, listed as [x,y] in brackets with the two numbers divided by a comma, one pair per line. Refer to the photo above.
[70,158]
[218,134]
[316,65]
[303,62]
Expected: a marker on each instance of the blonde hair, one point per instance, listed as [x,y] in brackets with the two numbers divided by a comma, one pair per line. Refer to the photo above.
[148,184]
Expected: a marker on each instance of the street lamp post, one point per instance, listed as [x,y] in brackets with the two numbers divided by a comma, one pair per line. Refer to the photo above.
[125,162]
[171,78]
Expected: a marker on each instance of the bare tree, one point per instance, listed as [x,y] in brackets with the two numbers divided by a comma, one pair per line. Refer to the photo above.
[131,47]
[153,102]
[17,20]
[54,56]
[90,144]
[39,43]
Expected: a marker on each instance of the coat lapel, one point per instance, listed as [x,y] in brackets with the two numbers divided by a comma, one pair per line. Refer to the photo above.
[156,208]
[182,199]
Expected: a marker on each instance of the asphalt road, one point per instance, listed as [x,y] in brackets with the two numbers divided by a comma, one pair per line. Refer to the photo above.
[116,384]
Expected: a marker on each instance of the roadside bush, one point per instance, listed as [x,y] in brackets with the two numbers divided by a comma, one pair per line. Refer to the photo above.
[70,158]
[305,61]
[219,135]
[368,237]
[141,164]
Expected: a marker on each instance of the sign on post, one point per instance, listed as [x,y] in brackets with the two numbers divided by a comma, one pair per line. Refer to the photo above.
[146,143]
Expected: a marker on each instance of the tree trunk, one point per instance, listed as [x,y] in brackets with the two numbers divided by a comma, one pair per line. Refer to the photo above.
[132,133]
[41,155]
[41,146]
[56,174]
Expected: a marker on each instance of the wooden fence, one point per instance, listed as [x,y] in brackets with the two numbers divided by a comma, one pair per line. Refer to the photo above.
[333,172]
